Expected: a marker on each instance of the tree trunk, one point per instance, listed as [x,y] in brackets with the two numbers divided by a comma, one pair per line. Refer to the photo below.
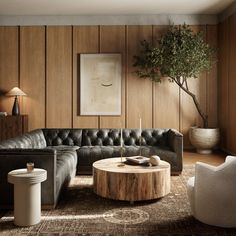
[197,105]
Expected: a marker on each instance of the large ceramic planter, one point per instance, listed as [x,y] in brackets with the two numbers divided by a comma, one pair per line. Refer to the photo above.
[204,139]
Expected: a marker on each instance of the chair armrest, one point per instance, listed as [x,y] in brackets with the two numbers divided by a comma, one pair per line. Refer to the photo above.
[11,159]
[190,192]
[230,158]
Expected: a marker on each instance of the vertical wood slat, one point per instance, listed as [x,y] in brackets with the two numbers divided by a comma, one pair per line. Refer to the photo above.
[223,103]
[232,85]
[165,96]
[188,113]
[32,74]
[112,40]
[139,91]
[59,77]
[85,40]
[9,72]
[211,78]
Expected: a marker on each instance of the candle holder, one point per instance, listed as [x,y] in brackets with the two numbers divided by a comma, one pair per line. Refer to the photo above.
[30,166]
[121,164]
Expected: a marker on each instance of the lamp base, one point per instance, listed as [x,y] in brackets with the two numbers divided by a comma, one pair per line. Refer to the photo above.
[16,108]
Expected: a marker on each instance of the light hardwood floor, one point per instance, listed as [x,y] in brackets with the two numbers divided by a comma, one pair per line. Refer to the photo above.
[216,158]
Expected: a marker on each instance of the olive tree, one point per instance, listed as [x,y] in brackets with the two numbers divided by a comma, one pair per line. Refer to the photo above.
[181,55]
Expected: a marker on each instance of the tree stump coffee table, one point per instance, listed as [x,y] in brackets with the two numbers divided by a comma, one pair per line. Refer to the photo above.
[130,182]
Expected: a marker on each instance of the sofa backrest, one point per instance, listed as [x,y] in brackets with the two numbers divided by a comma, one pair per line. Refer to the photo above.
[87,137]
[33,139]
[111,137]
[150,137]
[55,137]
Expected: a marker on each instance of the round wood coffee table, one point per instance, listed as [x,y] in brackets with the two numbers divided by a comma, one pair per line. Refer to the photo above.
[130,182]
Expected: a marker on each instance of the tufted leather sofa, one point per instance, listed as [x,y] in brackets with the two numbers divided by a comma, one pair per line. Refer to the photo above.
[65,152]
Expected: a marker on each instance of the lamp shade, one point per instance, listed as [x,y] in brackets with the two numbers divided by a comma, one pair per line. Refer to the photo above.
[16,92]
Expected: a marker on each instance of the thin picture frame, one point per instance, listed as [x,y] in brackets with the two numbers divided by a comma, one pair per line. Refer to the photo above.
[100,84]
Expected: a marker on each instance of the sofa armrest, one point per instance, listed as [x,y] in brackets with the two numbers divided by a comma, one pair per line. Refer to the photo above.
[175,142]
[11,159]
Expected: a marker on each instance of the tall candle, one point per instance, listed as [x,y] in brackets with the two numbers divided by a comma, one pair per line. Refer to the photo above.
[121,138]
[140,125]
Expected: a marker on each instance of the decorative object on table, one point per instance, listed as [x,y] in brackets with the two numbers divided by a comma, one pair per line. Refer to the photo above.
[27,195]
[100,84]
[121,164]
[30,166]
[138,160]
[181,55]
[16,92]
[155,160]
[3,113]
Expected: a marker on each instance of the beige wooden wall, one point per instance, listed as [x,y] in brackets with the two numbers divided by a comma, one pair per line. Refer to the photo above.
[227,83]
[43,62]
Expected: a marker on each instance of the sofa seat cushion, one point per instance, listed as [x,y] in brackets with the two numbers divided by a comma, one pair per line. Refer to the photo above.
[63,148]
[165,153]
[87,155]
[66,167]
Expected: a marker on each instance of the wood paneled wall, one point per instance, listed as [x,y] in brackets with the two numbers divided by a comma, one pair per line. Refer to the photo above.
[44,62]
[227,83]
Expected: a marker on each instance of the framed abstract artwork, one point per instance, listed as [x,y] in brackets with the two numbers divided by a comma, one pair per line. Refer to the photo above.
[100,84]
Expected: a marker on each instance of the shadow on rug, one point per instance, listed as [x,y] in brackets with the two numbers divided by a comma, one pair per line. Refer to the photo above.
[81,212]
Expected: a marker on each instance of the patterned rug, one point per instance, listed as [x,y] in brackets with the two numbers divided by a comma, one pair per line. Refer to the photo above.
[81,212]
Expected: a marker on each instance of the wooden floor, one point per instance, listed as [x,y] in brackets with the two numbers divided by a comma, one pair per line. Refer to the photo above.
[216,158]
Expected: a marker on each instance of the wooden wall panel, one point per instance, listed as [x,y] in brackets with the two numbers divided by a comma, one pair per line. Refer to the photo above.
[8,65]
[85,40]
[212,79]
[223,103]
[188,113]
[139,91]
[112,40]
[232,84]
[59,77]
[165,95]
[32,74]
[49,74]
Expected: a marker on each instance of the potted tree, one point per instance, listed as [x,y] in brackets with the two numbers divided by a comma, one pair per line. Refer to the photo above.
[181,55]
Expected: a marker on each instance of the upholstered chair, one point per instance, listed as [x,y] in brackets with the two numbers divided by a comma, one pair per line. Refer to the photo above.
[212,193]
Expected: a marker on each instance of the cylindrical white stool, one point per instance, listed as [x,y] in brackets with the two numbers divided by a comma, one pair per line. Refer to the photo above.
[27,195]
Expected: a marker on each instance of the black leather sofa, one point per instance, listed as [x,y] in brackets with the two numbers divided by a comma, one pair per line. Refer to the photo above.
[67,152]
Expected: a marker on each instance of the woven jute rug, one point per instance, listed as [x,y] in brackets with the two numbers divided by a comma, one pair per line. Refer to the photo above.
[81,212]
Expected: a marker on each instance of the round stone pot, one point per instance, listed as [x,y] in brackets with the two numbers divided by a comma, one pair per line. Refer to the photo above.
[204,139]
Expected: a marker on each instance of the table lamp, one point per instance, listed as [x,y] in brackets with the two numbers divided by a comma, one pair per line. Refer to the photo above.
[16,92]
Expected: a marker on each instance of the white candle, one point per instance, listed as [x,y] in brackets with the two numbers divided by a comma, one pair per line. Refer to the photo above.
[140,125]
[121,138]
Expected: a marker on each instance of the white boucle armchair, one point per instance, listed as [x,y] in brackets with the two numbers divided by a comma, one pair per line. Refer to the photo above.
[212,193]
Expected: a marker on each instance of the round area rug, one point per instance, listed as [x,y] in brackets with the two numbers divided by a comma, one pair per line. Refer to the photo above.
[126,216]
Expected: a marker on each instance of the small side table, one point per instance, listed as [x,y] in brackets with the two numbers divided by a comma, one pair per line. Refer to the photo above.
[27,195]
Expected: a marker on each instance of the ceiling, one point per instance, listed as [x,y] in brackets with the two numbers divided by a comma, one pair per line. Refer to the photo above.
[111,7]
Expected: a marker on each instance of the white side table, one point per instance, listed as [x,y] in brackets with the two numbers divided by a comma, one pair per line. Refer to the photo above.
[27,195]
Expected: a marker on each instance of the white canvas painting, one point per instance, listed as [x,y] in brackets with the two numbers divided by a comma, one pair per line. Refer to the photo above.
[100,84]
